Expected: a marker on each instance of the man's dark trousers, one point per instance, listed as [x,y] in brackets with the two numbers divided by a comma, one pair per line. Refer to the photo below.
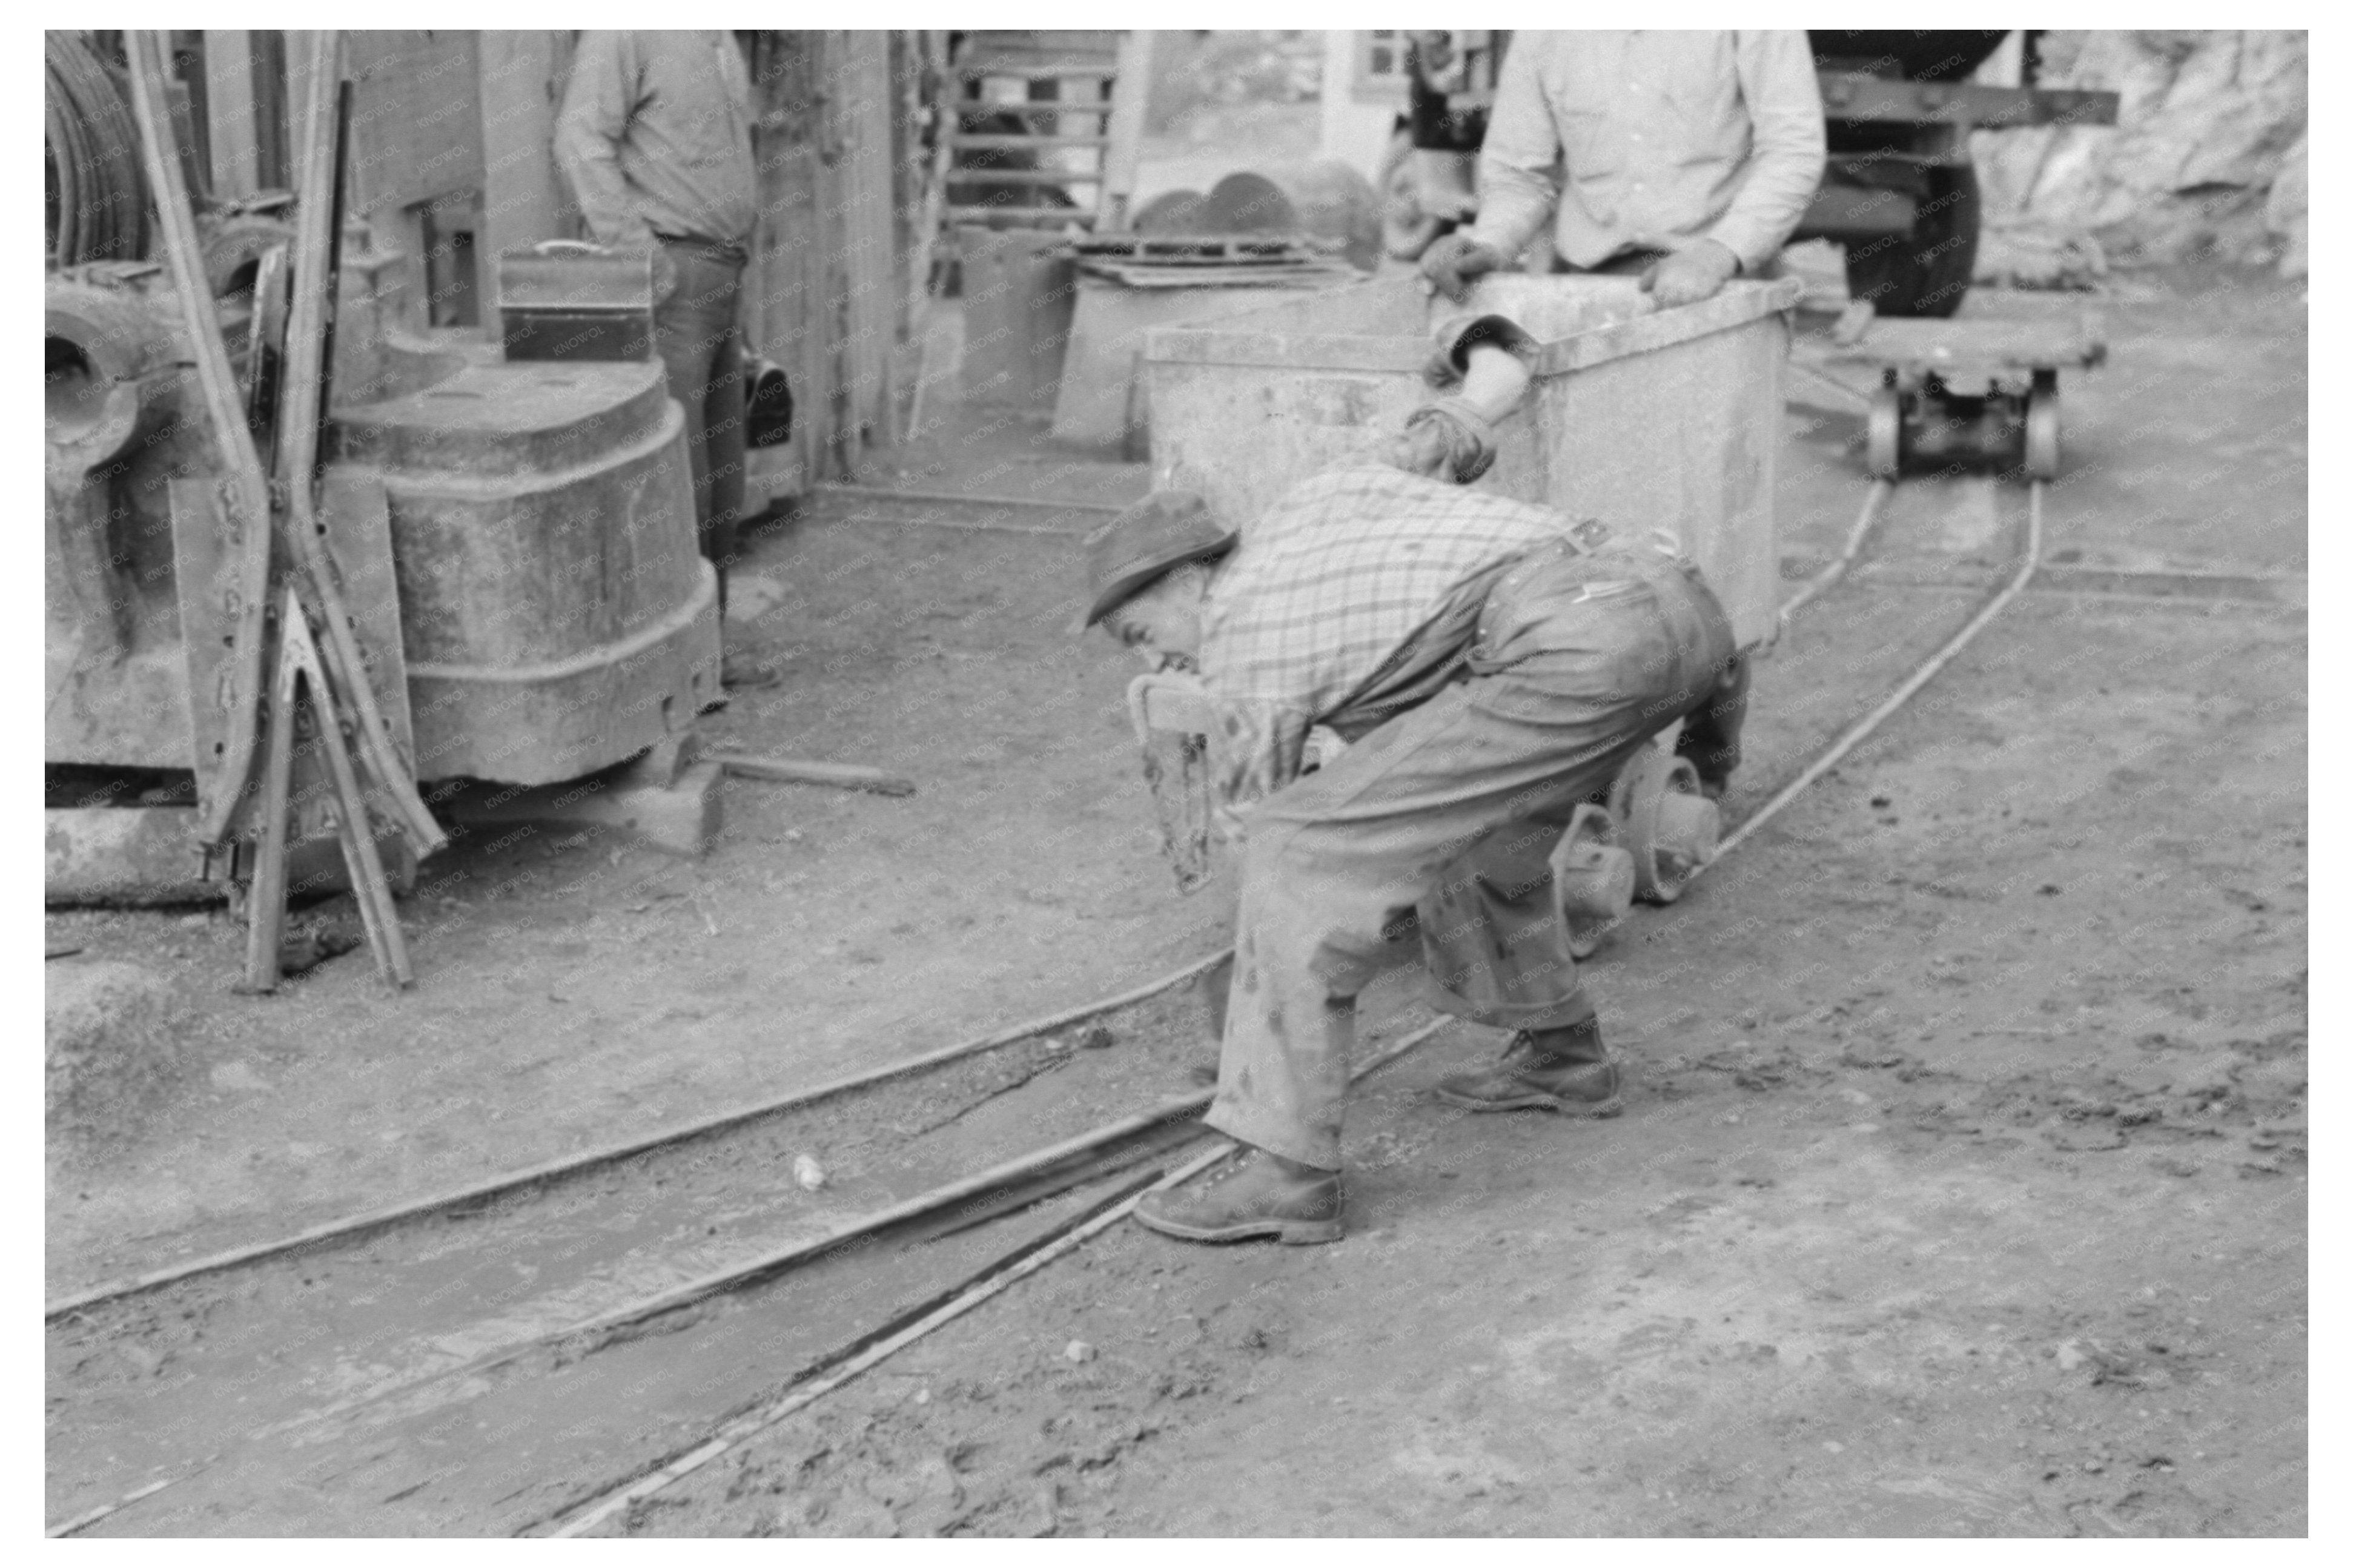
[702,350]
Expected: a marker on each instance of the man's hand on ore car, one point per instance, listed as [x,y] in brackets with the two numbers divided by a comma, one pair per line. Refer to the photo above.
[1451,264]
[1691,274]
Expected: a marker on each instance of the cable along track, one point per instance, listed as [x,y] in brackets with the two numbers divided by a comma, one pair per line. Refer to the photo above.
[394,1315]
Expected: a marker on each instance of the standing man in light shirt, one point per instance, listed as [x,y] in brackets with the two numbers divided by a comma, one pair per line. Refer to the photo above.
[655,137]
[1686,156]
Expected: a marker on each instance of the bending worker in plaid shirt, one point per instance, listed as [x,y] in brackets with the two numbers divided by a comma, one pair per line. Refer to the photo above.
[1492,664]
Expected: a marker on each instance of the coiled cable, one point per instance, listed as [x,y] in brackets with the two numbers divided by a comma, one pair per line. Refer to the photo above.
[96,195]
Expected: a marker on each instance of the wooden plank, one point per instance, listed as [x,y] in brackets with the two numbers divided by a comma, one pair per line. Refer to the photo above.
[1125,138]
[517,94]
[979,69]
[228,114]
[783,282]
[1054,216]
[976,138]
[871,259]
[416,130]
[1023,177]
[787,770]
[1100,108]
[298,93]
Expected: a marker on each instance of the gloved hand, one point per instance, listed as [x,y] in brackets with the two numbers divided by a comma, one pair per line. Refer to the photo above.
[1711,732]
[1425,447]
[1451,264]
[1451,341]
[1691,274]
[1447,440]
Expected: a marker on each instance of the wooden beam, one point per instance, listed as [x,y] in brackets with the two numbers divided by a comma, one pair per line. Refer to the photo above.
[1126,131]
[298,93]
[870,112]
[517,87]
[228,110]
[781,286]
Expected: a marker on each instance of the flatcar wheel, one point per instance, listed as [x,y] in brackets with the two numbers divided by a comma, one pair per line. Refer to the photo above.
[2042,429]
[1883,433]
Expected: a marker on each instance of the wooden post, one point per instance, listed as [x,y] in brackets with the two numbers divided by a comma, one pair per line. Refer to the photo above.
[872,252]
[228,113]
[1131,91]
[517,87]
[298,93]
[780,290]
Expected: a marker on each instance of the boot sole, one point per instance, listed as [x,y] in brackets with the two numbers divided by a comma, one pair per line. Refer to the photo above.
[1290,1232]
[1537,1099]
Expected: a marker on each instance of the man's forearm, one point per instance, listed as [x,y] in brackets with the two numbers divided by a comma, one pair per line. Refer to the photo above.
[1513,205]
[1516,190]
[1711,732]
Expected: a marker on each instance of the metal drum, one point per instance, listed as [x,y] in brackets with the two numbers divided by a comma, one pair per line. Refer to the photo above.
[555,615]
[1646,418]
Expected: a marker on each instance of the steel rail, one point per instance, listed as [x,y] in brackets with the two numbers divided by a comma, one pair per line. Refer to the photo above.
[355,1226]
[679,1467]
[2029,560]
[1039,1253]
[245,483]
[990,1281]
[352,1226]
[951,498]
[1822,581]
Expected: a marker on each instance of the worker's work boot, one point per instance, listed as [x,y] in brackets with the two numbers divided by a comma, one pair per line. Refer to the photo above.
[1566,1070]
[1255,1195]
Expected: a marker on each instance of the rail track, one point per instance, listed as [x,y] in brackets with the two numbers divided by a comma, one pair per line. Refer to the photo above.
[636,1310]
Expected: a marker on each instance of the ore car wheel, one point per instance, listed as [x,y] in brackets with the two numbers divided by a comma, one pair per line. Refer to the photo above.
[1883,433]
[1664,821]
[1593,879]
[2042,427]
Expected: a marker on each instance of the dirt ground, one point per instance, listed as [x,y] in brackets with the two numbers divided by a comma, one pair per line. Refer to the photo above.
[1963,1192]
[1962,1189]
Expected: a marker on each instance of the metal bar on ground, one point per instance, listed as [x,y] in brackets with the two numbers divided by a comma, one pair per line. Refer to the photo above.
[515,1181]
[951,498]
[787,770]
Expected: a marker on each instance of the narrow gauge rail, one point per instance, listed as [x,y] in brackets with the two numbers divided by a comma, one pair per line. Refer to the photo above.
[337,1341]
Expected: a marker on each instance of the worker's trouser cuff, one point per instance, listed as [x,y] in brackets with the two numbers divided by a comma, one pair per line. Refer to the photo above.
[1566,1013]
[1276,1137]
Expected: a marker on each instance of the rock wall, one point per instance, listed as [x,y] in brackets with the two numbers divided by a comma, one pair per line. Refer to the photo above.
[2207,158]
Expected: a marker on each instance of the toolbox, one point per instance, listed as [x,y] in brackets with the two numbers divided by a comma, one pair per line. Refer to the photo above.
[567,299]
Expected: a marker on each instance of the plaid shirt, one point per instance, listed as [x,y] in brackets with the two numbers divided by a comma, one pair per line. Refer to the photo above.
[1344,599]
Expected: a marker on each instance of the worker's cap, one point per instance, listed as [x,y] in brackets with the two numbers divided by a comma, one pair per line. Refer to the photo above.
[1165,529]
[1455,336]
